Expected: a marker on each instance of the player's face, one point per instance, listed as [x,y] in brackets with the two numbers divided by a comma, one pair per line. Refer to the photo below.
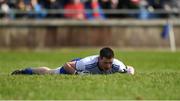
[105,63]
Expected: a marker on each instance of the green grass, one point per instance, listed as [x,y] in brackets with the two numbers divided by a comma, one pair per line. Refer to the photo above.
[157,77]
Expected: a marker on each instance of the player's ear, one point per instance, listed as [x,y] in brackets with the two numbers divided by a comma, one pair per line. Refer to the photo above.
[100,58]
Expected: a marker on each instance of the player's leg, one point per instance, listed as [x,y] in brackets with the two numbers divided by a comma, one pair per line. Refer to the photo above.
[46,70]
[42,70]
[30,71]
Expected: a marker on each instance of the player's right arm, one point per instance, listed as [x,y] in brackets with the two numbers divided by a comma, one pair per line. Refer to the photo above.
[70,67]
[74,66]
[123,68]
[80,65]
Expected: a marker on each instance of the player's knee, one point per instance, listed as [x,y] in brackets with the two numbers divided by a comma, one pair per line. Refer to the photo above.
[44,70]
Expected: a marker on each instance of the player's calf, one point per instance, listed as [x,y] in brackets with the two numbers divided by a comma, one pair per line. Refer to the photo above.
[23,71]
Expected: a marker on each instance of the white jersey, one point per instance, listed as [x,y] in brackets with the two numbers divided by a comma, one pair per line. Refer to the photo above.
[90,64]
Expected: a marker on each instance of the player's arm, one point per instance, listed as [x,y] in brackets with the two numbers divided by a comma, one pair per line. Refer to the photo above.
[123,68]
[70,67]
[128,69]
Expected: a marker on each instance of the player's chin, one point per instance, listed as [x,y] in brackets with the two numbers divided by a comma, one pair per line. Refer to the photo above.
[105,69]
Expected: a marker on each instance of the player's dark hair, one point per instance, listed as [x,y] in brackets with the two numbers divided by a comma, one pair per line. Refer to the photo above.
[107,53]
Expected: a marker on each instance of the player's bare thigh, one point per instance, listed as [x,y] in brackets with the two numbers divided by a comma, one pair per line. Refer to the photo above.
[44,70]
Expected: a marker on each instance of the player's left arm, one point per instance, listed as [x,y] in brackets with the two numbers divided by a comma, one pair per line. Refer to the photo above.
[70,67]
[127,69]
[123,68]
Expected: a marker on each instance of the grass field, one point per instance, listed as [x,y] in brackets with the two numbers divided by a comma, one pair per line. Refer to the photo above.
[157,77]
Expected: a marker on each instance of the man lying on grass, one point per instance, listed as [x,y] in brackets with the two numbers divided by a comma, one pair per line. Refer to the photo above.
[104,63]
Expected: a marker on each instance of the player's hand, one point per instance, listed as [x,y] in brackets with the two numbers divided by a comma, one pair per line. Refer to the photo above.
[130,70]
[82,72]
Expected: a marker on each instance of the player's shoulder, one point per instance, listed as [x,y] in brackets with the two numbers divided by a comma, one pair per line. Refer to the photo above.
[118,65]
[90,59]
[117,62]
[87,62]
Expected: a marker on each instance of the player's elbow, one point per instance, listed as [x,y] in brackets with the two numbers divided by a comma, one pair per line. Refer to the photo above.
[69,65]
[66,65]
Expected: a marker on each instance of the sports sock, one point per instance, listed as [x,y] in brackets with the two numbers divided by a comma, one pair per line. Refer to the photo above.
[28,71]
